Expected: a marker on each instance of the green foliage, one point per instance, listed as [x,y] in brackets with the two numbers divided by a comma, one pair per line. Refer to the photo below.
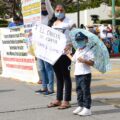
[72,5]
[10,8]
[3,9]
[3,23]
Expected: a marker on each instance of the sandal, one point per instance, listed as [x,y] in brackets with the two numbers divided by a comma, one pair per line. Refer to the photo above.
[64,105]
[54,104]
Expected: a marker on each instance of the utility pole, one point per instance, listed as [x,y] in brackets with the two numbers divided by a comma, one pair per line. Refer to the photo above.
[113,15]
[78,13]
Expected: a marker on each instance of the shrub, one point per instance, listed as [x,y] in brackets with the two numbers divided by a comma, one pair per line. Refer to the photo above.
[3,23]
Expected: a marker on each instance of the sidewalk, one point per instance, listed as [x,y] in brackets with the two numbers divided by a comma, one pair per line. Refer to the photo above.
[18,100]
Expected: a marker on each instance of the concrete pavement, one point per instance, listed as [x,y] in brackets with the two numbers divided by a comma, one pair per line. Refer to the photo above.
[18,100]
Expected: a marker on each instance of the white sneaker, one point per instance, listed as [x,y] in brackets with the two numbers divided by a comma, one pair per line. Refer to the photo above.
[77,110]
[85,112]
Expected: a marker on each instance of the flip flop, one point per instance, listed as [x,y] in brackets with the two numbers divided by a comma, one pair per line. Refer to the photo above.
[53,105]
[63,106]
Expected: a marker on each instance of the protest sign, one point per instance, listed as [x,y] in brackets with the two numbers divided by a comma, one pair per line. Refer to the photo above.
[49,42]
[16,62]
[31,10]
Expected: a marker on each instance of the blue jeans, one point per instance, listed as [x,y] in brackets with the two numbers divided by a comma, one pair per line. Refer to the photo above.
[83,90]
[47,75]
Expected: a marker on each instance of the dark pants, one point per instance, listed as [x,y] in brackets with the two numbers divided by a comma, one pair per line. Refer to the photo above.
[62,72]
[83,90]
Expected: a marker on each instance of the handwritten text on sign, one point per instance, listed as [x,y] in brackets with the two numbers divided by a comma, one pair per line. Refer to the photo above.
[50,43]
[16,63]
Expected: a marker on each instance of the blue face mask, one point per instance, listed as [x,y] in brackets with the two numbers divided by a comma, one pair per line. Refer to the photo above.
[59,15]
[81,44]
[44,13]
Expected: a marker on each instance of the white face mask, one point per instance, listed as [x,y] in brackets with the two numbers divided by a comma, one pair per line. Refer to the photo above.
[59,15]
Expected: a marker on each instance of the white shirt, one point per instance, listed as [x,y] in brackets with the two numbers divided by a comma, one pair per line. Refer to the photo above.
[102,34]
[64,27]
[45,19]
[82,68]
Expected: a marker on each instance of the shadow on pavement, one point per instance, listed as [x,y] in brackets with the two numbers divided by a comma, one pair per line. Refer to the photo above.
[8,90]
[117,110]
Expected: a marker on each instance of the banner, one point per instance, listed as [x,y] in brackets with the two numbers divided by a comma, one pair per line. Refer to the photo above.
[50,43]
[31,10]
[16,62]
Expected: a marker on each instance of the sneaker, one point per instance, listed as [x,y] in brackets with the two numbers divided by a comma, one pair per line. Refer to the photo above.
[77,110]
[85,112]
[48,92]
[40,91]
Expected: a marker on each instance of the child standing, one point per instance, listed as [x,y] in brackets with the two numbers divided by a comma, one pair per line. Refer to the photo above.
[83,59]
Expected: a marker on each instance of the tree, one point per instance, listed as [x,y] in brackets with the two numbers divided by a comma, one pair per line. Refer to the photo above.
[4,9]
[13,7]
[10,8]
[71,5]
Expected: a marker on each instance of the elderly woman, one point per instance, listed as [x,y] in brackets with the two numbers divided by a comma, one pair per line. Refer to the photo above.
[61,67]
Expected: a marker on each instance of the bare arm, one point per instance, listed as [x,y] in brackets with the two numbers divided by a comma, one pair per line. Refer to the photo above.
[88,62]
[68,53]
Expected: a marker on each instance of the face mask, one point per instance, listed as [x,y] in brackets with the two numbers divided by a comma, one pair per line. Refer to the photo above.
[81,44]
[44,13]
[59,15]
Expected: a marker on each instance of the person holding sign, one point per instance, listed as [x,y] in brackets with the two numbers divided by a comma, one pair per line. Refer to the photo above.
[46,69]
[62,66]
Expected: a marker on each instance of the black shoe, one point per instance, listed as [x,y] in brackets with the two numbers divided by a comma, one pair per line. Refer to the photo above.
[40,91]
[48,92]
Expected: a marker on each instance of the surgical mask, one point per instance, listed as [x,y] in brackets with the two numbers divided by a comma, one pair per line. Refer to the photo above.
[44,13]
[59,15]
[81,44]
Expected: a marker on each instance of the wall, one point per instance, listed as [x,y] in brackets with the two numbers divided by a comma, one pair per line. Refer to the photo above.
[103,11]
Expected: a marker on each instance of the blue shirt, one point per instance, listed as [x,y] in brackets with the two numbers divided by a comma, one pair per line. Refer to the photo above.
[12,24]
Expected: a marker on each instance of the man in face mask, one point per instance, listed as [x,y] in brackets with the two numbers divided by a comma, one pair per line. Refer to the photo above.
[43,9]
[45,69]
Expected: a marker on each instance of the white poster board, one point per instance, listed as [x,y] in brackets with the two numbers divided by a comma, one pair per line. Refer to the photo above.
[16,62]
[50,43]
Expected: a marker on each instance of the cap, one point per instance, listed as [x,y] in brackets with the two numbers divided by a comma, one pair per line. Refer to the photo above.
[80,36]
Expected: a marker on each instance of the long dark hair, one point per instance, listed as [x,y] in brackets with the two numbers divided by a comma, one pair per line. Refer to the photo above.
[52,20]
